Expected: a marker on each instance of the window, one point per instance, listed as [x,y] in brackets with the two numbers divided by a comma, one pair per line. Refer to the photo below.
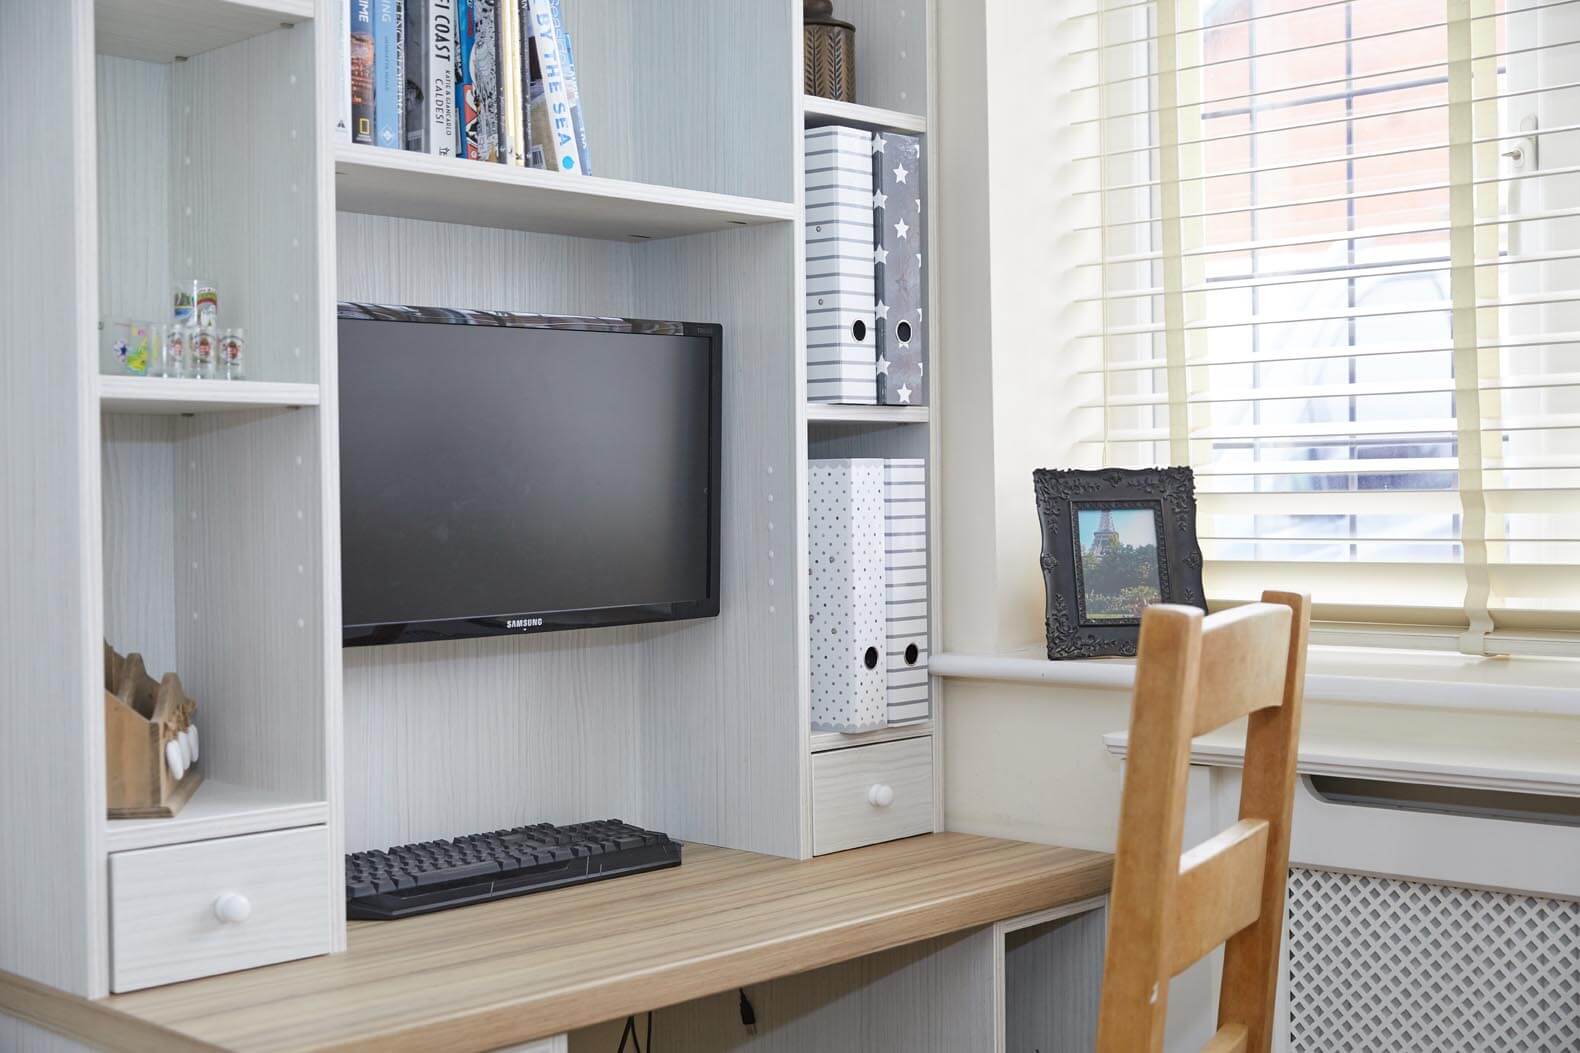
[1335,268]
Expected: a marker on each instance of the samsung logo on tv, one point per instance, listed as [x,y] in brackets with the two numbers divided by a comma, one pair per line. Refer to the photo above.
[524,623]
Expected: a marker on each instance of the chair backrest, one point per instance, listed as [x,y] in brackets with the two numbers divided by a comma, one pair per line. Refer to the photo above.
[1168,910]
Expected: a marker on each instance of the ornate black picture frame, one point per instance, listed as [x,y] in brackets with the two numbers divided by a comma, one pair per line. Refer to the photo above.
[1139,547]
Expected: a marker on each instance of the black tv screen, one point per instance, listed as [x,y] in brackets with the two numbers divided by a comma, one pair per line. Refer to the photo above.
[508,474]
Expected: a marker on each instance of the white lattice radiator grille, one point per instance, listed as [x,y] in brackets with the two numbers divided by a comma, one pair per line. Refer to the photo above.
[1379,965]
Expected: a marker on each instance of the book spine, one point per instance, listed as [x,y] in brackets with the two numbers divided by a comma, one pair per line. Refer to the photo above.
[343,64]
[510,82]
[466,99]
[438,83]
[560,149]
[485,77]
[523,26]
[386,76]
[572,89]
[360,51]
[415,52]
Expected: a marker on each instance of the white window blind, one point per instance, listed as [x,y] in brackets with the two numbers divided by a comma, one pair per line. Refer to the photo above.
[1332,251]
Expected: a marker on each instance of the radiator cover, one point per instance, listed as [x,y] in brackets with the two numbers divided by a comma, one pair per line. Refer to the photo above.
[1381,965]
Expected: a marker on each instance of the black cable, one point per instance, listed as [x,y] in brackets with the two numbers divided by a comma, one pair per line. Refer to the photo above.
[649,1046]
[748,1014]
[629,1032]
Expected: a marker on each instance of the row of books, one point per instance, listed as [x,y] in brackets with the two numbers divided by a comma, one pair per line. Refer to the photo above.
[490,80]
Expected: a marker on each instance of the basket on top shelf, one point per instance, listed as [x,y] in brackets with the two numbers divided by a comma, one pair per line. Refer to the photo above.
[150,741]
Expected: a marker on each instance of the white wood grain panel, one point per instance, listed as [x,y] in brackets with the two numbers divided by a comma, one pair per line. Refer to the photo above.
[450,738]
[134,189]
[248,571]
[19,1036]
[450,190]
[556,1044]
[51,723]
[843,817]
[156,395]
[1053,975]
[243,205]
[161,30]
[724,714]
[162,906]
[935,996]
[217,809]
[821,112]
[329,86]
[838,740]
[138,499]
[728,95]
[891,52]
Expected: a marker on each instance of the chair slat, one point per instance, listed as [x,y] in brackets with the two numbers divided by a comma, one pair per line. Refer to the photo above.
[1230,1038]
[1244,654]
[1219,892]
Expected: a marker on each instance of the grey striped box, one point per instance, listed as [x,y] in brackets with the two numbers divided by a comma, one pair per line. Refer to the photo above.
[840,286]
[899,335]
[905,588]
[845,536]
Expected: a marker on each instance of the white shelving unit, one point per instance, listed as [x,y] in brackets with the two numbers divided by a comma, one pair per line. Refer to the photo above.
[197,522]
[894,69]
[820,112]
[818,412]
[164,395]
[451,190]
[217,809]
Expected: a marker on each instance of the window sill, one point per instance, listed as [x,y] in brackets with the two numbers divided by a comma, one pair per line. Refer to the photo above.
[1364,675]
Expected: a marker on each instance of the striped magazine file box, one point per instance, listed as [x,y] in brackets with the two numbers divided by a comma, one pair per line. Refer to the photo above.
[905,588]
[841,360]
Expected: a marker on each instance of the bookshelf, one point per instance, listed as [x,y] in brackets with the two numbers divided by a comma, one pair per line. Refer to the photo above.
[197,522]
[158,395]
[452,190]
[820,412]
[820,112]
[166,30]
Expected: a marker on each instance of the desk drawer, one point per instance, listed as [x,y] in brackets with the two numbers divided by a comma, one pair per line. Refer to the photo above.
[166,906]
[849,805]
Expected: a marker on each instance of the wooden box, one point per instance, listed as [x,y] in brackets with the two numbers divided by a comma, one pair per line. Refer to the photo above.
[150,742]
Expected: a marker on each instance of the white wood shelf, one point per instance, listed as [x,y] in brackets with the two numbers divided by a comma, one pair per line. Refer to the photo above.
[164,30]
[823,741]
[823,411]
[453,190]
[217,809]
[1333,674]
[162,395]
[820,112]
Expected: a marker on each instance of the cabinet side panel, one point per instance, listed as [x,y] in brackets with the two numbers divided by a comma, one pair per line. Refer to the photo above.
[51,719]
[724,718]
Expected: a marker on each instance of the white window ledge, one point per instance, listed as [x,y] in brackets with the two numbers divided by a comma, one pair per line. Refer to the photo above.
[1365,675]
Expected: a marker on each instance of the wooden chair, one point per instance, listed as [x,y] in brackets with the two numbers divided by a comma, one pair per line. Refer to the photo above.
[1167,910]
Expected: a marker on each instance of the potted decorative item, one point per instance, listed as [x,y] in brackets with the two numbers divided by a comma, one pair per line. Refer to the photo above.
[830,46]
[150,741]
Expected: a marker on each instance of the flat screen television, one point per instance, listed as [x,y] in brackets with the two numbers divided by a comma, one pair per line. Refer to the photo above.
[507,473]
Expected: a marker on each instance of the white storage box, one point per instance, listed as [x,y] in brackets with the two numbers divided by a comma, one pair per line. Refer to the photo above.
[841,356]
[845,526]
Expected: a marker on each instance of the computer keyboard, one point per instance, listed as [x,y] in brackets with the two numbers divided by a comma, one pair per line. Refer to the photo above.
[436,875]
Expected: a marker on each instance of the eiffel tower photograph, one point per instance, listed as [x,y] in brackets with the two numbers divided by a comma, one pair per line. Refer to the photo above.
[1119,561]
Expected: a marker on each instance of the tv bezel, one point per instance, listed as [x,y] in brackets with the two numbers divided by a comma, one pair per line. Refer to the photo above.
[534,622]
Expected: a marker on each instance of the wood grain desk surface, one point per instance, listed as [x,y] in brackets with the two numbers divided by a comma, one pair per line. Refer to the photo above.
[492,974]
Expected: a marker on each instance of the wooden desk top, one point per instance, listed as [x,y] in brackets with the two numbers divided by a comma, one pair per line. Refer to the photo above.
[518,969]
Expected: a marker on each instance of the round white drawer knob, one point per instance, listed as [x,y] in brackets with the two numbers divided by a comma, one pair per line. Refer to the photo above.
[880,795]
[232,908]
[174,760]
